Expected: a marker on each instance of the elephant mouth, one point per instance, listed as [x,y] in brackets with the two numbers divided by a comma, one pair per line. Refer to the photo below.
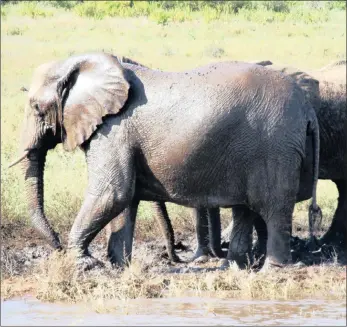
[21,158]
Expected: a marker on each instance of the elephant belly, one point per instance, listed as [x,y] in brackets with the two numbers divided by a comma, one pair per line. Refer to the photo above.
[193,178]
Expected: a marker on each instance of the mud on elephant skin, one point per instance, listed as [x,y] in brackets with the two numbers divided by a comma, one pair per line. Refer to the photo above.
[232,130]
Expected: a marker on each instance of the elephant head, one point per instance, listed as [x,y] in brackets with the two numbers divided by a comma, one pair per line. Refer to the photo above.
[66,102]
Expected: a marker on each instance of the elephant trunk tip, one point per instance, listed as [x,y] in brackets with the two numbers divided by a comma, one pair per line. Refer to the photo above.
[22,157]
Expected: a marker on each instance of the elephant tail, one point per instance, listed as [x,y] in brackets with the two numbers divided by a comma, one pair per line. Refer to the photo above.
[315,213]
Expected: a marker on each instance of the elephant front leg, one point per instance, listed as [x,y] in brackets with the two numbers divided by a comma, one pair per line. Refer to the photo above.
[120,241]
[240,244]
[96,212]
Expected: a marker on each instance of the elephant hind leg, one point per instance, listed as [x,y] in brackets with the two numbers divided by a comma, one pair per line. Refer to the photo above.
[202,251]
[240,244]
[279,227]
[214,228]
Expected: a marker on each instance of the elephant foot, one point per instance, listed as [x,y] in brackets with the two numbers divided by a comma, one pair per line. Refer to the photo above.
[299,264]
[227,264]
[172,257]
[180,246]
[333,239]
[220,254]
[87,262]
[55,242]
[313,244]
[201,255]
[272,265]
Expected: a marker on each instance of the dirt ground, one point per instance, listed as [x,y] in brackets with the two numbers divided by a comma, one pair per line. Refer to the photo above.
[22,249]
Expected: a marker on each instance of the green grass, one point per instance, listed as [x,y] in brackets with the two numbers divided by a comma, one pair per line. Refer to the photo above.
[33,33]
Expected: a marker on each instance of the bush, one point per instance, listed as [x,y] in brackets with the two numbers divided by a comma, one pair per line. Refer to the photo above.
[164,12]
[33,9]
[160,17]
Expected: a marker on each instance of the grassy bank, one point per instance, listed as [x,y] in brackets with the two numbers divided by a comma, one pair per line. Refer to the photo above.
[57,280]
[33,33]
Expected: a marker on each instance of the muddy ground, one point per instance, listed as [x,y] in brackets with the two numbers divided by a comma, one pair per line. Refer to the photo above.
[22,249]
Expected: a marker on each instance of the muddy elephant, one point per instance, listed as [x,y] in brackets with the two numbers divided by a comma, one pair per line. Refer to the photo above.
[329,102]
[207,221]
[221,135]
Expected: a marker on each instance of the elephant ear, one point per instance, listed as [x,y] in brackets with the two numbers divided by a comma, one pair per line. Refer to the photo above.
[90,87]
[307,83]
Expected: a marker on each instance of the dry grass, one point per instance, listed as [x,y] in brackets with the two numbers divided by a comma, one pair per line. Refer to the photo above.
[57,279]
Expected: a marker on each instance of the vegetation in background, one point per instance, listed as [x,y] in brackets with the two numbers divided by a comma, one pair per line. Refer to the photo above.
[164,12]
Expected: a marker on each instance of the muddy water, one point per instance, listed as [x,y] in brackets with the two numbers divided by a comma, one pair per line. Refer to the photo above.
[176,311]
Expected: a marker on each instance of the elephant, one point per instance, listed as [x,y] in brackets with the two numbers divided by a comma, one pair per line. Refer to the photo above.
[235,136]
[207,221]
[329,102]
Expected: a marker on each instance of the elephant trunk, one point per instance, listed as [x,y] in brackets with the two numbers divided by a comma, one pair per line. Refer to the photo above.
[34,151]
[33,168]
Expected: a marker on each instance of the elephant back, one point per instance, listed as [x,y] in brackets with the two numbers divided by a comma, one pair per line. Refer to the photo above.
[334,73]
[307,83]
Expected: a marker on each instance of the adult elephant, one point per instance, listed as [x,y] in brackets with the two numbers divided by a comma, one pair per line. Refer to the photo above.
[222,135]
[329,102]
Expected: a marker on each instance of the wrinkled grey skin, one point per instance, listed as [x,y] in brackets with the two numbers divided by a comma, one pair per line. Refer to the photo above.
[332,118]
[222,135]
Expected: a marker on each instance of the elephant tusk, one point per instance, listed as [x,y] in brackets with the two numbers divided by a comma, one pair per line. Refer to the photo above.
[23,156]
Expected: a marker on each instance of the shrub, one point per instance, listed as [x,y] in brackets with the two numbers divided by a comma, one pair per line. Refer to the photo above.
[15,31]
[33,10]
[160,17]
